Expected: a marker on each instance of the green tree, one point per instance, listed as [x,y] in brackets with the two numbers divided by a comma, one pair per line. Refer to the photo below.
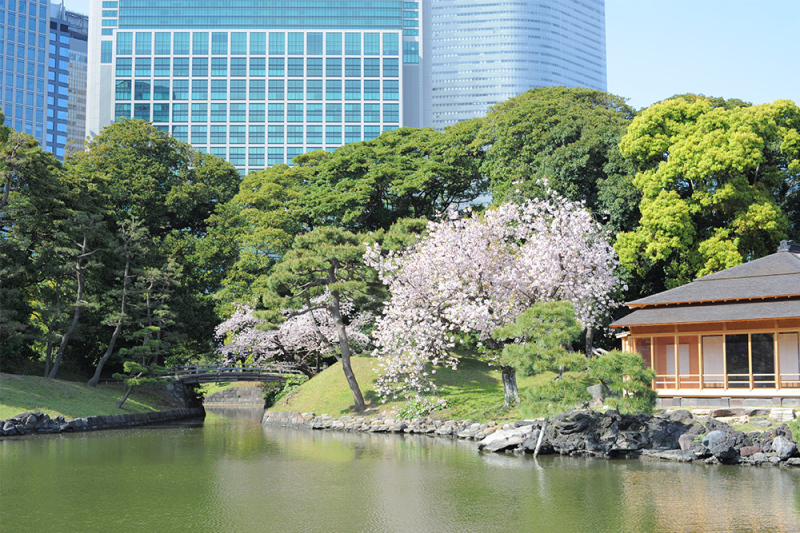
[714,176]
[325,260]
[567,137]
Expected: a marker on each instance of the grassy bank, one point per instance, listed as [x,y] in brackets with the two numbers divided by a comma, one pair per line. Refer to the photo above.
[474,391]
[72,399]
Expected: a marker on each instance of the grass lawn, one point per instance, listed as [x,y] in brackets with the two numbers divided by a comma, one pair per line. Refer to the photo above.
[73,399]
[474,391]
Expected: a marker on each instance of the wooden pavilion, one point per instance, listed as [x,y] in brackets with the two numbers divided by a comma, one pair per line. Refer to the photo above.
[727,339]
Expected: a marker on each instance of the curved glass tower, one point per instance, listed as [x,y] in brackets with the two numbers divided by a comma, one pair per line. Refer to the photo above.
[486,52]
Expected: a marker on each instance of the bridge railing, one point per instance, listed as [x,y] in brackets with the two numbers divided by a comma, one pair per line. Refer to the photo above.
[185,371]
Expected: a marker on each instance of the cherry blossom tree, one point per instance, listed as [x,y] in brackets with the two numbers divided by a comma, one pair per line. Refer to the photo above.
[473,274]
[244,337]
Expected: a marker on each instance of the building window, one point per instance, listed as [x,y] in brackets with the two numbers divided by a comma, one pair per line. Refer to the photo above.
[123,91]
[371,132]
[257,89]
[410,52]
[200,43]
[219,135]
[333,112]
[141,111]
[238,135]
[238,89]
[199,112]
[314,90]
[294,135]
[391,113]
[352,134]
[141,90]
[122,111]
[314,67]
[161,67]
[276,66]
[296,44]
[314,113]
[258,66]
[219,112]
[180,89]
[160,112]
[295,90]
[180,43]
[238,43]
[372,67]
[123,66]
[333,89]
[275,156]
[199,134]
[276,90]
[391,90]
[372,90]
[181,133]
[163,43]
[333,134]
[144,43]
[256,135]
[219,66]
[277,43]
[219,43]
[372,113]
[275,135]
[295,67]
[352,90]
[314,43]
[333,44]
[352,67]
[143,66]
[124,43]
[256,156]
[199,67]
[239,67]
[391,68]
[352,44]
[180,112]
[352,112]
[161,90]
[314,134]
[372,44]
[390,44]
[257,113]
[258,43]
[294,113]
[199,89]
[238,113]
[276,113]
[180,67]
[106,51]
[219,89]
[237,157]
[333,67]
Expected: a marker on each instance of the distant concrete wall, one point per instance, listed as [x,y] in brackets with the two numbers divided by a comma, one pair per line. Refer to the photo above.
[249,396]
[727,402]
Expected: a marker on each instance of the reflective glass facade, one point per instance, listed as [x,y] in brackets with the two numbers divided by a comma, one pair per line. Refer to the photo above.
[24,26]
[487,52]
[255,82]
[66,88]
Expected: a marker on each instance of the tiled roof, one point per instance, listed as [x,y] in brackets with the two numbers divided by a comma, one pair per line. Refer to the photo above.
[776,275]
[720,312]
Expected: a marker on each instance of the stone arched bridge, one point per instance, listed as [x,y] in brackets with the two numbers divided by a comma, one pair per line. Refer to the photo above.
[220,373]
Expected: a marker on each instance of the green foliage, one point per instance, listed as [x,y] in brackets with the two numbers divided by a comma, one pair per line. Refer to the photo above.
[419,408]
[568,138]
[540,339]
[139,374]
[628,383]
[717,181]
[274,392]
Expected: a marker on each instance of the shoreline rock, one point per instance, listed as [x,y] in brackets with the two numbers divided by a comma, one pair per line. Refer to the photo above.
[30,423]
[676,436]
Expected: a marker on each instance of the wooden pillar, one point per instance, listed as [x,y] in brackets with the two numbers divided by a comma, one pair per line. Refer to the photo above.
[750,358]
[724,361]
[700,360]
[677,362]
[777,352]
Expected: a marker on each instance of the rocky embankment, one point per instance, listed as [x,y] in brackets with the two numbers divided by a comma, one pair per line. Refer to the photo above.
[676,436]
[38,422]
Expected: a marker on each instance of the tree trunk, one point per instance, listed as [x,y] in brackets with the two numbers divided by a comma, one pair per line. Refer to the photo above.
[118,329]
[589,342]
[344,346]
[78,306]
[510,390]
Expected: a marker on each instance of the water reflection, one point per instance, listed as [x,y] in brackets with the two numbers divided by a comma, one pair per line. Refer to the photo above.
[230,474]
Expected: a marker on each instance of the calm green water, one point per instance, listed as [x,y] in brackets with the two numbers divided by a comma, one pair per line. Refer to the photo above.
[229,474]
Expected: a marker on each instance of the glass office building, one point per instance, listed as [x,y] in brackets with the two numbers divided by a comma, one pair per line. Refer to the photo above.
[257,81]
[24,26]
[487,52]
[66,93]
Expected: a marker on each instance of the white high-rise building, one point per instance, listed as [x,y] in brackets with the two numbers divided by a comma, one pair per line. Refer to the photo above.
[486,52]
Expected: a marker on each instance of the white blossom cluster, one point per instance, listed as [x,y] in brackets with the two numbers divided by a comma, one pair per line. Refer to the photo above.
[473,274]
[242,337]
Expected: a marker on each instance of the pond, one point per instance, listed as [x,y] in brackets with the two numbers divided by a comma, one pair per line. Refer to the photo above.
[228,474]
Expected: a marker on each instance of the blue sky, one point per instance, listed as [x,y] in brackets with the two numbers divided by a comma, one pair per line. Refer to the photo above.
[747,49]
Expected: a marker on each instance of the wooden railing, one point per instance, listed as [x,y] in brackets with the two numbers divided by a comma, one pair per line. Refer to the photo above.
[217,373]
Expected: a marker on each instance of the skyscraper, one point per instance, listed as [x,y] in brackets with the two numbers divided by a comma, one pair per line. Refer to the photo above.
[486,52]
[23,64]
[66,94]
[257,82]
